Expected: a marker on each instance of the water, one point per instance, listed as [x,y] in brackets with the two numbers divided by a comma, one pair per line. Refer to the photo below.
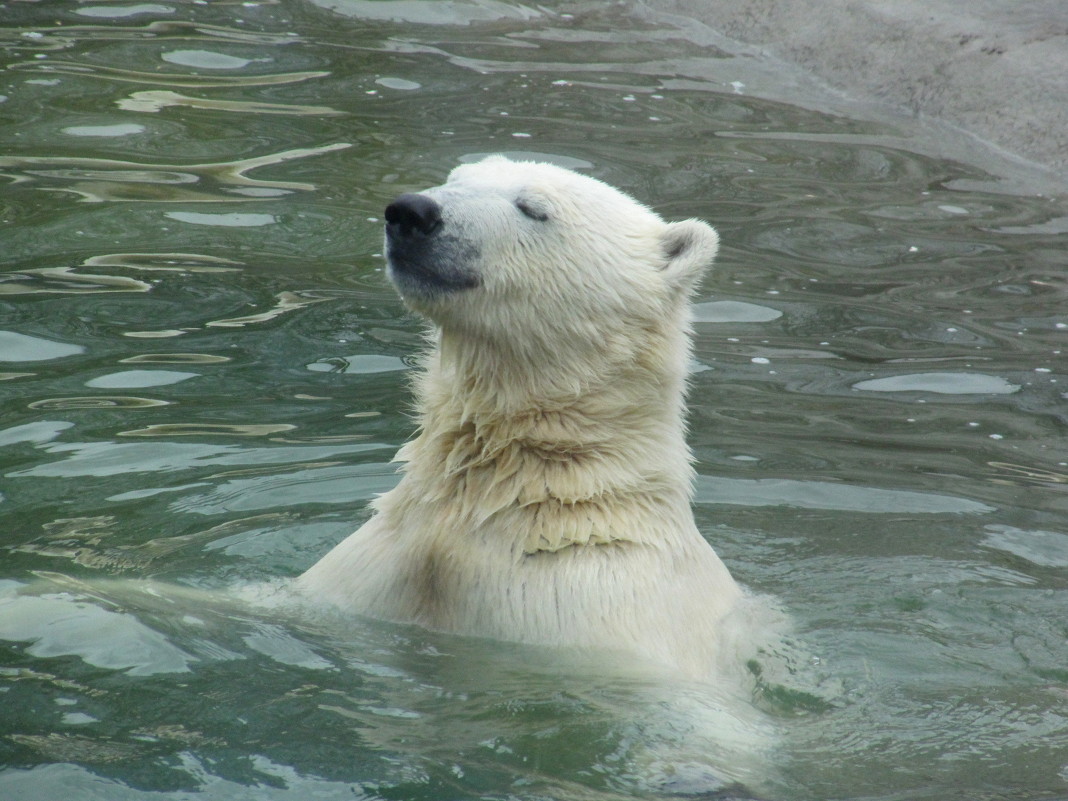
[204,377]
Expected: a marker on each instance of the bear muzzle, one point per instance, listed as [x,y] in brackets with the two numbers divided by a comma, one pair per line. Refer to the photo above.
[424,258]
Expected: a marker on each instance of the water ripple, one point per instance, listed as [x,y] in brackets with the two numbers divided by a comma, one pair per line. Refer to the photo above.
[165,262]
[287,302]
[139,379]
[829,495]
[118,12]
[941,383]
[66,281]
[154,100]
[175,358]
[61,624]
[98,180]
[62,38]
[458,12]
[97,402]
[184,81]
[16,347]
[209,430]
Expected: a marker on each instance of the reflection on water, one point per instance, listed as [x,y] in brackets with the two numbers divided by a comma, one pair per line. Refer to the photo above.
[207,429]
[286,302]
[95,402]
[99,180]
[160,79]
[172,262]
[65,281]
[158,99]
[199,398]
[17,347]
[942,383]
[174,358]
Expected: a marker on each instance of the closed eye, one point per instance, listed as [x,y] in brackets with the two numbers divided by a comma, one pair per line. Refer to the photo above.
[532,211]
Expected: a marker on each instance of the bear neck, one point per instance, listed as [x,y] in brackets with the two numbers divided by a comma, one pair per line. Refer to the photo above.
[495,385]
[499,435]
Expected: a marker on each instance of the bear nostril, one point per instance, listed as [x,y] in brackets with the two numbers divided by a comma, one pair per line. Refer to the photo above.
[411,212]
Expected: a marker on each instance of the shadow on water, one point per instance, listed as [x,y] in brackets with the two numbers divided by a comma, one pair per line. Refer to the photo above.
[203,376]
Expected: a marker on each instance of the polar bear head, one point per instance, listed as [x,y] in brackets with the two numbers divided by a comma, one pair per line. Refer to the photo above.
[545,267]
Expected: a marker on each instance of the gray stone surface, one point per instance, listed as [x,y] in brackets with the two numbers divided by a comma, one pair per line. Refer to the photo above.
[995,69]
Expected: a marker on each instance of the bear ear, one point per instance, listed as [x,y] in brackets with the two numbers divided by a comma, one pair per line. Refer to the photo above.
[689,247]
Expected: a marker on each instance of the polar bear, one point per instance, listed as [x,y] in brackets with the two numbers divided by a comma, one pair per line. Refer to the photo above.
[546,497]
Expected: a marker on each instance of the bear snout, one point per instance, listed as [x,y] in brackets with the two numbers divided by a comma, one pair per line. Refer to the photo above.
[425,260]
[412,214]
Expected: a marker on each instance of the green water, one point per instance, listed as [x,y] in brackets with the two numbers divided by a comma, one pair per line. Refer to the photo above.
[204,379]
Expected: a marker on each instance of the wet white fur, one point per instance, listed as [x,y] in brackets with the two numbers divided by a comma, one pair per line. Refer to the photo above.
[546,498]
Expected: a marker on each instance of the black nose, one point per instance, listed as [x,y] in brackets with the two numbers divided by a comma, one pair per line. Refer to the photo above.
[412,213]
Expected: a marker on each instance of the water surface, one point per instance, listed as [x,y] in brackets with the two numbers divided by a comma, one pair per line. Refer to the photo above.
[203,379]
